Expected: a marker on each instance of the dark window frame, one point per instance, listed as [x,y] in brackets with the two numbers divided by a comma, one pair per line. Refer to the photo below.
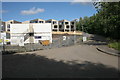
[54,22]
[38,37]
[55,26]
[8,29]
[66,22]
[8,26]
[67,26]
[60,26]
[31,34]
[41,22]
[72,23]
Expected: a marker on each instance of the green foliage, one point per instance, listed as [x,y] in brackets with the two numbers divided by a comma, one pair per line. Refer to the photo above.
[106,22]
[115,45]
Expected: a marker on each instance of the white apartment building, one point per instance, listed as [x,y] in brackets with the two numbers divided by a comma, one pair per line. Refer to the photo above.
[37,21]
[54,23]
[64,25]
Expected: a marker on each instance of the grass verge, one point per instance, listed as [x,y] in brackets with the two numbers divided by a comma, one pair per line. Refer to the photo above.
[115,45]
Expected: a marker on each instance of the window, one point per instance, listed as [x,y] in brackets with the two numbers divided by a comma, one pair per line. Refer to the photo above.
[38,37]
[54,30]
[8,26]
[31,34]
[54,22]
[11,22]
[60,26]
[67,26]
[8,29]
[35,21]
[40,21]
[55,26]
[72,22]
[66,22]
[8,43]
[72,26]
[61,23]
[31,21]
[7,35]
[48,21]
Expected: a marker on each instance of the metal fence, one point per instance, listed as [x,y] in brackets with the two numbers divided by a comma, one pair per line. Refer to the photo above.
[59,41]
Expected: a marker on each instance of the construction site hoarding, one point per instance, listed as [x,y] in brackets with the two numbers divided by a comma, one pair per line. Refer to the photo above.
[30,33]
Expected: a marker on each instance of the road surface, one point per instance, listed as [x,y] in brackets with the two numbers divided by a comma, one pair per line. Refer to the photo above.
[74,61]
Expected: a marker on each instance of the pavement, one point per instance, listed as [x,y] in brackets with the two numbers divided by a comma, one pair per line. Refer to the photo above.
[101,44]
[107,50]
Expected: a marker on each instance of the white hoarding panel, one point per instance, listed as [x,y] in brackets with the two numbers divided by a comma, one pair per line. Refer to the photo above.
[42,27]
[43,30]
[19,33]
[19,28]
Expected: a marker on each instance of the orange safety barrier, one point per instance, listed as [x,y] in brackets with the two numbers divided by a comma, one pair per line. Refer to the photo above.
[45,42]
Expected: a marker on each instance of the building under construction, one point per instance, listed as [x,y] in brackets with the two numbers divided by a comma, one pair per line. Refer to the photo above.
[35,31]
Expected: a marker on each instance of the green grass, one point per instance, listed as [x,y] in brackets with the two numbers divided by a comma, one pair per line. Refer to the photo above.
[115,45]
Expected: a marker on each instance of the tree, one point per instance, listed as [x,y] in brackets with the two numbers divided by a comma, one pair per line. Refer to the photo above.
[106,22]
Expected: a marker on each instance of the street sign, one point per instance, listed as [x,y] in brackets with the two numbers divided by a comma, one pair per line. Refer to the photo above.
[84,38]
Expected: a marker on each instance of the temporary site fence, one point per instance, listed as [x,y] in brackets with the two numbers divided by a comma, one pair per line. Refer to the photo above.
[57,42]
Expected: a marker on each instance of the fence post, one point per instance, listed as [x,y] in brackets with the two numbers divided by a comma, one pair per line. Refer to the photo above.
[3,45]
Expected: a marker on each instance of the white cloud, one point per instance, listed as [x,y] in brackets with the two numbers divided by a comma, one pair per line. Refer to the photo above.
[32,11]
[3,11]
[76,1]
[83,2]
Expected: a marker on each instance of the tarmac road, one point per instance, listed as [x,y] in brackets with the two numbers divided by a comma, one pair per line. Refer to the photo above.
[79,53]
[0,64]
[73,61]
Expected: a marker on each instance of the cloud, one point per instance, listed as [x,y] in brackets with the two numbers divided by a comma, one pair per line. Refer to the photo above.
[82,2]
[32,11]
[3,11]
[76,1]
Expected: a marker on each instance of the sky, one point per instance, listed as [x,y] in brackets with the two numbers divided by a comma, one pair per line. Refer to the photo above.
[24,11]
